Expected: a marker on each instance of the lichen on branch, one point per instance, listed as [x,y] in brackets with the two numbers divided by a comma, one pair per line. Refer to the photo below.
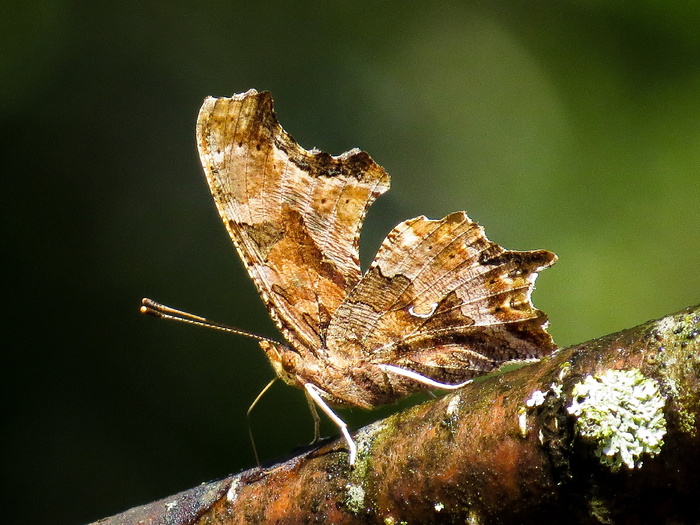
[521,447]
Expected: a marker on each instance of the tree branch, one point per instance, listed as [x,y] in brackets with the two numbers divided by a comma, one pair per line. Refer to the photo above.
[602,432]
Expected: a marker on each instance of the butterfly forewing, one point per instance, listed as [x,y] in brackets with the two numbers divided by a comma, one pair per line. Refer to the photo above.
[294,215]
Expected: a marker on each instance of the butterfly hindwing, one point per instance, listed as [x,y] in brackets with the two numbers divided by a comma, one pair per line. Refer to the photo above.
[443,300]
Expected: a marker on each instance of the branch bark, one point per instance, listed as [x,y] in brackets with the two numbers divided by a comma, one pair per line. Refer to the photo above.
[602,432]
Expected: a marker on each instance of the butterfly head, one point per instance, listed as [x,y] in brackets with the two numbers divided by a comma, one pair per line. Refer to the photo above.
[284,361]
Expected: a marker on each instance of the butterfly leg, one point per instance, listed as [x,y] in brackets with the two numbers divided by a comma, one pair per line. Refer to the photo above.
[315,394]
[421,378]
[315,416]
[247,415]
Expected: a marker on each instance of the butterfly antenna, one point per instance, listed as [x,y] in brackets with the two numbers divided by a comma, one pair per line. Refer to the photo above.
[150,307]
[247,415]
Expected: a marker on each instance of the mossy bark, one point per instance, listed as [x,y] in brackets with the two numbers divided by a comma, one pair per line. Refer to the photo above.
[501,450]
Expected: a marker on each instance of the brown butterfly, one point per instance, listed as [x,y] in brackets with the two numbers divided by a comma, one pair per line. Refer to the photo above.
[439,305]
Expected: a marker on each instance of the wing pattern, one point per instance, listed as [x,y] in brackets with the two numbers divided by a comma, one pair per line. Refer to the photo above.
[293,215]
[440,299]
[443,300]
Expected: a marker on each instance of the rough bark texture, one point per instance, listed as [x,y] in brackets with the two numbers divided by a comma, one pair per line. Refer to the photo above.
[503,450]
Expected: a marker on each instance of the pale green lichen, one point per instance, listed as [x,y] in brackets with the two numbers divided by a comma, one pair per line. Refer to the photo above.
[680,365]
[621,411]
[363,440]
[522,422]
[354,489]
[232,493]
[355,498]
[391,521]
[536,399]
[556,389]
[453,405]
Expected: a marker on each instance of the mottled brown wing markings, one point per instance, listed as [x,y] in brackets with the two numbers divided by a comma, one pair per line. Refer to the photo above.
[439,298]
[294,215]
[231,140]
[439,304]
[427,280]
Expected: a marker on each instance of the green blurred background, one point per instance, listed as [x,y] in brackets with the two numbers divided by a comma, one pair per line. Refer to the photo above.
[569,126]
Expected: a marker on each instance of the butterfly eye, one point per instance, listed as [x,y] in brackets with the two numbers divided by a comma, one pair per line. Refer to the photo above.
[290,362]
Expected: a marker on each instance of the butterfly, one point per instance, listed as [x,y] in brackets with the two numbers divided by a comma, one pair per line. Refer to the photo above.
[439,304]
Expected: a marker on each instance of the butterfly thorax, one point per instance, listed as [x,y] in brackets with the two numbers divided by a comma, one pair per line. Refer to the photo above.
[362,384]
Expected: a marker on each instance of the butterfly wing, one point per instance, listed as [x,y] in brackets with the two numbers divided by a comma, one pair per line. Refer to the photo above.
[294,215]
[442,300]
